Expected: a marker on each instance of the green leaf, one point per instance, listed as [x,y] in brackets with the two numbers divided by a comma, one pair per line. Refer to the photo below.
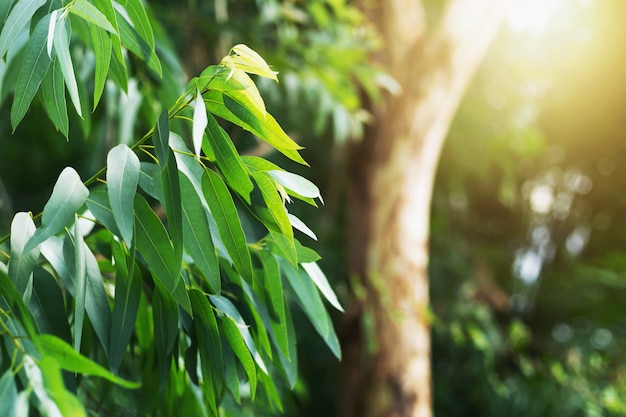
[102,49]
[22,264]
[312,305]
[33,70]
[249,118]
[296,183]
[322,284]
[154,245]
[228,160]
[5,7]
[273,286]
[98,205]
[197,236]
[199,122]
[139,18]
[122,179]
[249,61]
[19,17]
[299,225]
[91,14]
[170,190]
[106,7]
[161,138]
[224,305]
[239,86]
[67,403]
[62,49]
[275,207]
[238,346]
[125,306]
[137,45]
[8,394]
[225,215]
[165,319]
[80,285]
[48,306]
[70,360]
[68,196]
[53,98]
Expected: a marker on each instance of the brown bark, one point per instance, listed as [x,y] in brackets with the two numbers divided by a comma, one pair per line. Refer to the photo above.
[392,173]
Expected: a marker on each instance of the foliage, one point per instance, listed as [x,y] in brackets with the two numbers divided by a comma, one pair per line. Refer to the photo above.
[164,283]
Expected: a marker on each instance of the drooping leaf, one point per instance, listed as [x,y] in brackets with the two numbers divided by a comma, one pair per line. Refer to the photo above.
[22,264]
[66,402]
[199,122]
[139,18]
[228,160]
[106,7]
[274,205]
[98,204]
[91,14]
[53,97]
[5,7]
[165,319]
[238,346]
[299,225]
[238,85]
[48,306]
[137,45]
[80,285]
[322,284]
[225,215]
[68,196]
[8,394]
[197,236]
[250,61]
[125,306]
[161,138]
[102,49]
[313,306]
[296,183]
[18,18]
[34,67]
[224,305]
[62,49]
[72,361]
[156,248]
[170,191]
[122,179]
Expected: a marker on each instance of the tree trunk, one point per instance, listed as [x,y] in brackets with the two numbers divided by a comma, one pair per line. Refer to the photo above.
[392,172]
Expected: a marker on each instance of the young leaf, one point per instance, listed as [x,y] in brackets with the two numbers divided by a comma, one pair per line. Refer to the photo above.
[22,264]
[53,98]
[91,14]
[102,47]
[122,179]
[225,215]
[62,48]
[19,17]
[199,122]
[68,196]
[34,68]
[296,183]
[248,60]
[197,236]
[154,245]
[228,160]
[72,361]
[299,225]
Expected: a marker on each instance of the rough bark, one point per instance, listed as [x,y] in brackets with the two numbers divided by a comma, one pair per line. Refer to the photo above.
[392,172]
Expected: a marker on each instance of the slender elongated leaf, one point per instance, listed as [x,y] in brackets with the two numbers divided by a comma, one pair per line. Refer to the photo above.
[273,287]
[53,98]
[238,346]
[122,179]
[170,190]
[137,45]
[225,306]
[161,138]
[238,85]
[98,204]
[197,235]
[313,306]
[225,215]
[18,18]
[296,183]
[199,122]
[66,402]
[48,306]
[248,60]
[154,245]
[125,306]
[72,361]
[34,68]
[102,48]
[62,48]
[8,394]
[139,18]
[91,14]
[106,7]
[299,225]
[274,205]
[322,284]
[228,160]
[165,319]
[68,196]
[22,264]
[5,7]
[80,285]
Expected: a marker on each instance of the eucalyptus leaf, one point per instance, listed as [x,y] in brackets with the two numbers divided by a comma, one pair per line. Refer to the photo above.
[199,122]
[296,183]
[102,48]
[91,14]
[62,49]
[8,394]
[246,59]
[122,178]
[139,18]
[21,263]
[322,284]
[18,18]
[53,98]
[165,319]
[133,40]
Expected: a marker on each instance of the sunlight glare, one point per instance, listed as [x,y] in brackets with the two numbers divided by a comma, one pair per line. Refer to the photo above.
[532,16]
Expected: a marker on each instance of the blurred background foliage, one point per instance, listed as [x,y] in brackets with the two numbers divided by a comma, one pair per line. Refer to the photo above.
[527,246]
